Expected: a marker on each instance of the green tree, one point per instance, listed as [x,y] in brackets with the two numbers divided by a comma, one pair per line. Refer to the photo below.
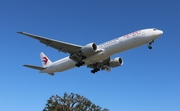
[71,102]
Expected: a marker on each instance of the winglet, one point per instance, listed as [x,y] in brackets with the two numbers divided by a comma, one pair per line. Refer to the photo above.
[20,32]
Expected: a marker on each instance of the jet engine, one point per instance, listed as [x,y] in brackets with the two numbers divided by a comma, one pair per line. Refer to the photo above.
[116,62]
[89,49]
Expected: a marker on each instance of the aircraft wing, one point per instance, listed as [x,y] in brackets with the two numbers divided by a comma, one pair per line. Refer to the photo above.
[59,45]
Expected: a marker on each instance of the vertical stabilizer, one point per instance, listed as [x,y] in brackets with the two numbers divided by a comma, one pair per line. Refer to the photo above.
[45,60]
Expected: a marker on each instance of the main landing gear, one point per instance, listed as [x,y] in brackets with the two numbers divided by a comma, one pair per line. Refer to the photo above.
[80,63]
[150,44]
[95,70]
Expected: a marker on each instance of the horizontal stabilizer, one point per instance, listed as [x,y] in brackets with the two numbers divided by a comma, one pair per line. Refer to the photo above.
[34,67]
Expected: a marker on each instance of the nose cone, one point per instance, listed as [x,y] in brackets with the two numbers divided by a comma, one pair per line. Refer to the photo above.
[158,33]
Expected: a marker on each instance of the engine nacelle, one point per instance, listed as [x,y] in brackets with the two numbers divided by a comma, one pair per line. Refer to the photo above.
[89,49]
[116,62]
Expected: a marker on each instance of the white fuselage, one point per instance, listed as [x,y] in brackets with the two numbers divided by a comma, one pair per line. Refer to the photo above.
[109,48]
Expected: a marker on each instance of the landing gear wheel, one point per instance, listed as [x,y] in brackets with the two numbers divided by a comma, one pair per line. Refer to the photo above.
[95,70]
[77,65]
[80,63]
[150,44]
[150,47]
[92,71]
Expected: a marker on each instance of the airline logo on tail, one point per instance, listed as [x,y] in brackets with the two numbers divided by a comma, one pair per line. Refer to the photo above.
[45,60]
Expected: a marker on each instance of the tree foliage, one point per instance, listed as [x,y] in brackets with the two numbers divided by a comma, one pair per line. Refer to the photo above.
[71,102]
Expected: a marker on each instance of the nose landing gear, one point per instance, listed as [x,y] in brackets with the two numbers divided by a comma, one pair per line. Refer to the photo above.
[150,44]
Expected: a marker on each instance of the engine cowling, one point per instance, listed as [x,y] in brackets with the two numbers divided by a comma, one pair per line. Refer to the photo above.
[116,62]
[89,49]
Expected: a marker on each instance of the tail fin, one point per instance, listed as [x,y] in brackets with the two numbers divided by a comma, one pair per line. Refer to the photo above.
[45,60]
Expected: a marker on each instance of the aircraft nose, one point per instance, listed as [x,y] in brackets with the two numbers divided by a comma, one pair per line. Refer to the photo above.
[160,32]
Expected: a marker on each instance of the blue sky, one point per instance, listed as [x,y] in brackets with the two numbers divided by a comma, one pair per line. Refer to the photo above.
[149,80]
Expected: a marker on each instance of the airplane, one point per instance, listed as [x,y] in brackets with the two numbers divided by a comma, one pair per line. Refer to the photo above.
[91,55]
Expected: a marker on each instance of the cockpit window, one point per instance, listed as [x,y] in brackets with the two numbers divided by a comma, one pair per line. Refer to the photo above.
[155,29]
